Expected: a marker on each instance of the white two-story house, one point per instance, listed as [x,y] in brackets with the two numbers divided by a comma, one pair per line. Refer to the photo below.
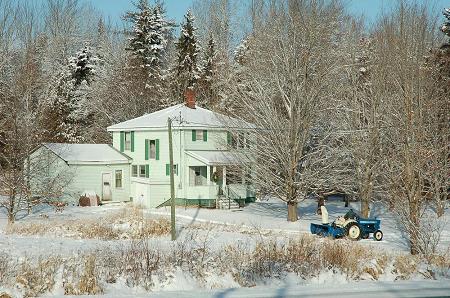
[200,149]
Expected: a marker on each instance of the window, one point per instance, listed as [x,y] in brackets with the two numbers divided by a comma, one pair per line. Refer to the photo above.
[152,149]
[199,135]
[142,171]
[175,169]
[128,140]
[134,171]
[118,178]
[197,176]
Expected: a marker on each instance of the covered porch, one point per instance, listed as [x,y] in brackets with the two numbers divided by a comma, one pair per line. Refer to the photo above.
[215,174]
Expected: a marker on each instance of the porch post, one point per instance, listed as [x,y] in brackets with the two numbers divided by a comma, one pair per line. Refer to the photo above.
[214,169]
[208,175]
[224,177]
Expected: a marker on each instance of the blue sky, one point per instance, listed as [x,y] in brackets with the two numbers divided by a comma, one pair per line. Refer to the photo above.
[177,8]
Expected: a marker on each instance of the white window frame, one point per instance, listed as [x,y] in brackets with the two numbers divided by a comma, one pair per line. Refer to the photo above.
[199,135]
[128,140]
[140,171]
[116,172]
[133,172]
[152,149]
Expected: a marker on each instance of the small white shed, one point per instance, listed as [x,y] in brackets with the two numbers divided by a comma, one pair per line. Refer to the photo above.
[91,167]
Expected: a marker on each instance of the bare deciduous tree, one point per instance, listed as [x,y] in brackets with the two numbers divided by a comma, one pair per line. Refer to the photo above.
[403,40]
[283,91]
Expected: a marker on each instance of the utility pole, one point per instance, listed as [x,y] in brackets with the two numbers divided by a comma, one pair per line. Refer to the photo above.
[172,183]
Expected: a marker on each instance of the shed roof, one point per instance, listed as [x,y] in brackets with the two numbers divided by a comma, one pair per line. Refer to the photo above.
[213,158]
[88,153]
[190,118]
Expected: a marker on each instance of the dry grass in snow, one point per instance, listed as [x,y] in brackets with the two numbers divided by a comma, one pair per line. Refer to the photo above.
[140,265]
[127,223]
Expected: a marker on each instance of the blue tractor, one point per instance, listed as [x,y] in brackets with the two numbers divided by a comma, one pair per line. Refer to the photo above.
[351,225]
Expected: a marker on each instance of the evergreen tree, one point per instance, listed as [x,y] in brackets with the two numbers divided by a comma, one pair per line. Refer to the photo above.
[187,70]
[68,114]
[148,41]
[208,83]
[139,42]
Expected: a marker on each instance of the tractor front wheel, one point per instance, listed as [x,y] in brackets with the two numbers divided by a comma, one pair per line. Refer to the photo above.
[378,235]
[353,231]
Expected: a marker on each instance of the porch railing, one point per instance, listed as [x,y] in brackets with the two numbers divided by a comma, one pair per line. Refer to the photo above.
[231,195]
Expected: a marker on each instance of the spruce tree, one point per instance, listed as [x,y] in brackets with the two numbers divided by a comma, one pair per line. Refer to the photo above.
[147,46]
[209,80]
[69,114]
[149,38]
[187,71]
[139,41]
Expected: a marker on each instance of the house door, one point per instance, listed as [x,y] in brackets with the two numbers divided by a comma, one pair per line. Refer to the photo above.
[140,195]
[106,186]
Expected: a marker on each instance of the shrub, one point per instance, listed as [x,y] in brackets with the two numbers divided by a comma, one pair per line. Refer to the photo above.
[84,280]
[405,266]
[39,278]
[129,223]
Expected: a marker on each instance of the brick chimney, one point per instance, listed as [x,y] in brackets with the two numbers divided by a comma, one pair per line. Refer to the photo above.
[189,96]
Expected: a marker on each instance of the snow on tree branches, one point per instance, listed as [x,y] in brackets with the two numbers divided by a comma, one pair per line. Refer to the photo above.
[68,111]
[187,71]
[149,37]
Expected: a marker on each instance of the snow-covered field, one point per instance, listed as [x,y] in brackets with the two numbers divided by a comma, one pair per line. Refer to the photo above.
[211,252]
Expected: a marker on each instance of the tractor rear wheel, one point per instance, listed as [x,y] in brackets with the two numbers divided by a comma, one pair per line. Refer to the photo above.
[378,235]
[353,231]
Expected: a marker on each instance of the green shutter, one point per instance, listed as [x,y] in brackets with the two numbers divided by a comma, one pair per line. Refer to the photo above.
[147,171]
[132,141]
[157,148]
[205,135]
[122,141]
[146,149]
[194,135]
[228,138]
[167,169]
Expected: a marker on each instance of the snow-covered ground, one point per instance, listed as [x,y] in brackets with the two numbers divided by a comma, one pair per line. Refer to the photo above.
[271,216]
[265,219]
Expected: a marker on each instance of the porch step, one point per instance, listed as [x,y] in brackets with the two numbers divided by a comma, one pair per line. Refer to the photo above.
[224,203]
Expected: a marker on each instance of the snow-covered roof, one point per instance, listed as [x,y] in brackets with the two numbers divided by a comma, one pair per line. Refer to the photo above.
[190,118]
[213,157]
[88,153]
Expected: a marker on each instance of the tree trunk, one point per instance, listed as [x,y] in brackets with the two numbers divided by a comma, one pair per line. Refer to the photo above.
[292,211]
[365,207]
[414,225]
[365,194]
[11,218]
